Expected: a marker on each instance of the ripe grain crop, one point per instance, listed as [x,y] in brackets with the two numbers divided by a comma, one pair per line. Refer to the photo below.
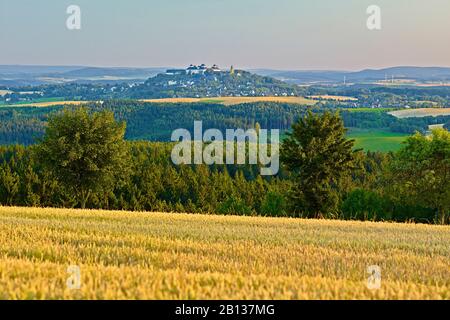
[229,101]
[421,112]
[125,255]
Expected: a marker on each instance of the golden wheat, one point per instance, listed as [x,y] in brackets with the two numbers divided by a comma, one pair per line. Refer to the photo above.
[333,98]
[421,112]
[124,255]
[47,104]
[230,101]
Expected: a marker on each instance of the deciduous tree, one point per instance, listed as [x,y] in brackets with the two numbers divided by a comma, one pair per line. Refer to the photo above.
[421,171]
[84,151]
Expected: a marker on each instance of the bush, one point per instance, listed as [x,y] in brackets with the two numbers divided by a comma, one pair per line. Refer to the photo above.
[274,205]
[234,205]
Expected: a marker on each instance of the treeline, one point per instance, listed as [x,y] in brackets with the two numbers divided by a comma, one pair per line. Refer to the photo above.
[155,122]
[153,183]
[150,182]
[376,119]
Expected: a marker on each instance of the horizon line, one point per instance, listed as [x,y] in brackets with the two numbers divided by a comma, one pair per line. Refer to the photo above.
[241,68]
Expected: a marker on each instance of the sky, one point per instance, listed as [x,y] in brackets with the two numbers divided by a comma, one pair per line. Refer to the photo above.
[275,34]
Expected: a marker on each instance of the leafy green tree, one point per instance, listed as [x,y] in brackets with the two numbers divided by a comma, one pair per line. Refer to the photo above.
[421,171]
[318,155]
[85,152]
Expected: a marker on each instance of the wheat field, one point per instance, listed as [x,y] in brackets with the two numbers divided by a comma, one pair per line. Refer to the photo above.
[4,92]
[333,98]
[421,112]
[230,101]
[227,101]
[46,104]
[124,255]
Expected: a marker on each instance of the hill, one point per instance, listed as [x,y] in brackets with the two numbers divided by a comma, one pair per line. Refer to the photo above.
[212,84]
[113,83]
[124,255]
[22,75]
[419,74]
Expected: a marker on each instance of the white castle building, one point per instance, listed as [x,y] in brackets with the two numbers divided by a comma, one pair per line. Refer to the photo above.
[193,69]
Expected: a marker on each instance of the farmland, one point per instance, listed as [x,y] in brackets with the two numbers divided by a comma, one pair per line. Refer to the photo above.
[227,101]
[4,92]
[46,103]
[377,140]
[177,256]
[421,112]
[333,98]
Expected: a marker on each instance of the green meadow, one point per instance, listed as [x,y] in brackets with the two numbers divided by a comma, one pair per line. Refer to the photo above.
[376,139]
[373,139]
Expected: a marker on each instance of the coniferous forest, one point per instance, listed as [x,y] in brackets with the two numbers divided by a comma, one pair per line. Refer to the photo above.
[156,121]
[142,177]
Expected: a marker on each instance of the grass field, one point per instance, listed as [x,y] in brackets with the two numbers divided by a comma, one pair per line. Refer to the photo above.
[377,140]
[421,112]
[176,256]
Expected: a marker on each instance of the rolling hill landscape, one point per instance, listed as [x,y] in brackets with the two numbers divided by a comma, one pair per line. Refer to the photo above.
[224,159]
[20,75]
[414,74]
[379,117]
[355,205]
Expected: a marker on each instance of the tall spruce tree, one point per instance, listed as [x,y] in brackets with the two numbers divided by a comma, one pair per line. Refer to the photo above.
[318,155]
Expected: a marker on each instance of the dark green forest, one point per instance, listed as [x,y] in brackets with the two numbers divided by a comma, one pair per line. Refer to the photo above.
[155,184]
[155,122]
[411,185]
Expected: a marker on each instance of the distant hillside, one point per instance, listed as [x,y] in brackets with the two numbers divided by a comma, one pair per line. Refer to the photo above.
[26,70]
[18,75]
[204,83]
[92,72]
[22,75]
[415,73]
[297,77]
[212,84]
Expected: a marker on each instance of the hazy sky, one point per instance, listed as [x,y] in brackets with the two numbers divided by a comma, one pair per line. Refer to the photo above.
[283,34]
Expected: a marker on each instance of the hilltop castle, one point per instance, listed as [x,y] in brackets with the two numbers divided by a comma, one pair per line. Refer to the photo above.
[193,69]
